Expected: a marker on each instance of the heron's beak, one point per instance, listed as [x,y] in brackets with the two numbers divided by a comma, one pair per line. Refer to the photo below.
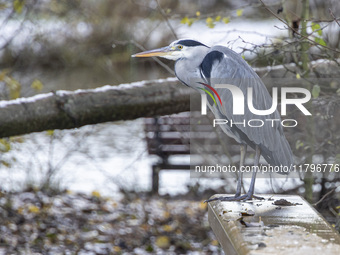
[154,53]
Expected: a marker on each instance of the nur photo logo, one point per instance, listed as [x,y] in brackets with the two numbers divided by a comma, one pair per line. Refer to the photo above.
[239,101]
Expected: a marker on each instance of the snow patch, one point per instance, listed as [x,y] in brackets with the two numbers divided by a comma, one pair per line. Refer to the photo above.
[105,88]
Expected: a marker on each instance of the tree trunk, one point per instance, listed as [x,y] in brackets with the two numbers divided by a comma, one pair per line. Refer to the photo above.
[66,109]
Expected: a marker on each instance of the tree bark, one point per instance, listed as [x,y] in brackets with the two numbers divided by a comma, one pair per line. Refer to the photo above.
[66,109]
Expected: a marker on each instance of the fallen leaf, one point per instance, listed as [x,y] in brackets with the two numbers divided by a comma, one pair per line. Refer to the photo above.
[163,242]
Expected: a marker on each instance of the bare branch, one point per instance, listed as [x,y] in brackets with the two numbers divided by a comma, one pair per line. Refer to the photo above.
[326,195]
[166,19]
[140,47]
[335,19]
[297,32]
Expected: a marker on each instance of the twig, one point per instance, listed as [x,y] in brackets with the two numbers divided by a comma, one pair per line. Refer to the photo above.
[155,58]
[320,20]
[297,32]
[324,196]
[142,48]
[229,12]
[166,19]
[304,44]
[335,19]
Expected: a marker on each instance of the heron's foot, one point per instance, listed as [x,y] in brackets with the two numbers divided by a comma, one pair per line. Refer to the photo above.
[250,196]
[244,197]
[258,198]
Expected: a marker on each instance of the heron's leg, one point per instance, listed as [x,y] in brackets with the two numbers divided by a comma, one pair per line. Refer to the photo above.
[237,196]
[250,194]
[253,177]
[243,150]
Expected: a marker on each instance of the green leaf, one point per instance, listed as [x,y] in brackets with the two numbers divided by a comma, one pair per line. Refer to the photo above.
[226,20]
[320,41]
[18,5]
[185,20]
[37,85]
[316,91]
[14,87]
[190,21]
[239,12]
[298,144]
[3,74]
[5,146]
[210,22]
[316,27]
[50,132]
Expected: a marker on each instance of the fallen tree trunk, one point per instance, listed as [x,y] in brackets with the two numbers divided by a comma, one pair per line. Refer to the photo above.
[66,109]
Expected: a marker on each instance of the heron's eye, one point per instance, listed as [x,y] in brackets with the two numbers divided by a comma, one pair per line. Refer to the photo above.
[179,47]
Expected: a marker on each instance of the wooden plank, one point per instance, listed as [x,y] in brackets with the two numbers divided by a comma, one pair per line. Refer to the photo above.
[173,167]
[179,128]
[153,142]
[168,150]
[274,229]
[187,135]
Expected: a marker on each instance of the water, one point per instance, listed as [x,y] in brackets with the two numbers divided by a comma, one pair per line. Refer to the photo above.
[99,157]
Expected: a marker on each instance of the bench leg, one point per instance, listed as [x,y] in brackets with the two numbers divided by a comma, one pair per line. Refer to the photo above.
[155,179]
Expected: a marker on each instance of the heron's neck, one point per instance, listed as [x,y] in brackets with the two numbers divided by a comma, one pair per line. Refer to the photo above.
[187,70]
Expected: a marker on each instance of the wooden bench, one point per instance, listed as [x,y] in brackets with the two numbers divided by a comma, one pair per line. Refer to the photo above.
[169,136]
[187,134]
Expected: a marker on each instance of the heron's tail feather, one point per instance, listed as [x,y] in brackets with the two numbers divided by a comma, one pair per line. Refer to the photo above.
[281,155]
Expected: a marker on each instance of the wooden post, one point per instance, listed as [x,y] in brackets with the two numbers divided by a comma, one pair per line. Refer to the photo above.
[155,179]
[280,224]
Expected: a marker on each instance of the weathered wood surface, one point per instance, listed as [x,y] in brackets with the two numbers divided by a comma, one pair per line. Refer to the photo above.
[274,229]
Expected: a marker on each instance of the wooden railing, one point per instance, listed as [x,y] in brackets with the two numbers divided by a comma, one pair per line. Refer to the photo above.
[280,224]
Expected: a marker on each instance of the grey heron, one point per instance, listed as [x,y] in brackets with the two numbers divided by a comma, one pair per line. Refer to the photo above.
[201,67]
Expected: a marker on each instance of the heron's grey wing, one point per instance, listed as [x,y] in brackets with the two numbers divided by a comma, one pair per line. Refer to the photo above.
[224,66]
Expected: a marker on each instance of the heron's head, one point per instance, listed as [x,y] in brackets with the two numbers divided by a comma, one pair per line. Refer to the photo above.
[184,48]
